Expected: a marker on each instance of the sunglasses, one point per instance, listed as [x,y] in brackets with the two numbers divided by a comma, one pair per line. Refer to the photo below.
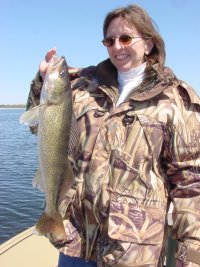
[124,39]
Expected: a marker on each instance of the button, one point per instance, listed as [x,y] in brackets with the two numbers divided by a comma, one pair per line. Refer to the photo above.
[99,112]
[129,119]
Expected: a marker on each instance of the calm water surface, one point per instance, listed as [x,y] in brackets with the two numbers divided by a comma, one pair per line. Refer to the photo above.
[20,203]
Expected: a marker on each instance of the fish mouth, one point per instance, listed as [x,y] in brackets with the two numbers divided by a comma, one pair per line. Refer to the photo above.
[59,61]
[62,58]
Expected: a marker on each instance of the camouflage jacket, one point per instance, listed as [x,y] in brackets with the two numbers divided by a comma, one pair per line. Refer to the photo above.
[132,160]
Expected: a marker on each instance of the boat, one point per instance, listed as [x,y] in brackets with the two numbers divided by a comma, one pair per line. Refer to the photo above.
[28,249]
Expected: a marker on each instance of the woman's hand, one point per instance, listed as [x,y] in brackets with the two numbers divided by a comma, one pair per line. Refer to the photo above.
[44,64]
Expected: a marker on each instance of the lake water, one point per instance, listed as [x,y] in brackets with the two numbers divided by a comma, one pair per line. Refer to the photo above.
[20,203]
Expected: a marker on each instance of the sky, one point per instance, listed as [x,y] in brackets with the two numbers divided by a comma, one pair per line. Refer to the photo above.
[30,28]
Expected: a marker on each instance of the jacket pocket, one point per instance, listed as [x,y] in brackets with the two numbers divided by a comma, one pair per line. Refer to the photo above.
[128,170]
[130,222]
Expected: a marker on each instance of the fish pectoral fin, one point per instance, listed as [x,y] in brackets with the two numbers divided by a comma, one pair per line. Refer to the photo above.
[37,181]
[30,117]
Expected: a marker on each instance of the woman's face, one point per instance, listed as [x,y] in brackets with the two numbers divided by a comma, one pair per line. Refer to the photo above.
[126,57]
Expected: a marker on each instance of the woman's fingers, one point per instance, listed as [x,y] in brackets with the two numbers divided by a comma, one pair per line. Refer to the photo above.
[44,64]
[50,54]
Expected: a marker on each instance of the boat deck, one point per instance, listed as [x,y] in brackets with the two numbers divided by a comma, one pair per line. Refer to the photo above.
[27,249]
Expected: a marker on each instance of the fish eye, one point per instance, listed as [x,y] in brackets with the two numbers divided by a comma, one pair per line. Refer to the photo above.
[62,73]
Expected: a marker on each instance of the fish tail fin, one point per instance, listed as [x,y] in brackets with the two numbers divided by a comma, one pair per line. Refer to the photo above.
[52,227]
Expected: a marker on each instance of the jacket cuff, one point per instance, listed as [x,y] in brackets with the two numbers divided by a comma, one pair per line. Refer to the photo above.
[188,253]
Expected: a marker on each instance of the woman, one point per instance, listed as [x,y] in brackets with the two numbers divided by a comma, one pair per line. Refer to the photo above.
[139,150]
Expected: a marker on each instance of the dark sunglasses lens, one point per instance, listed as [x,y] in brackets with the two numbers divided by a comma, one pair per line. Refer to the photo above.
[125,39]
[109,41]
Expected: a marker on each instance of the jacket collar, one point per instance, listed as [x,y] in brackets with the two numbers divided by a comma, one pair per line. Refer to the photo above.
[106,75]
[152,86]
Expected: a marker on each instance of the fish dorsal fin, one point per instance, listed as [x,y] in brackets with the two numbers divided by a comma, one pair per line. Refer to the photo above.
[74,136]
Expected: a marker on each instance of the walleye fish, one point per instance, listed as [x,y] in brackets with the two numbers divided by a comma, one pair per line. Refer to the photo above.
[54,119]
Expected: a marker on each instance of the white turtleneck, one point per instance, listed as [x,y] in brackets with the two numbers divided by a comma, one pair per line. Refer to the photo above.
[129,80]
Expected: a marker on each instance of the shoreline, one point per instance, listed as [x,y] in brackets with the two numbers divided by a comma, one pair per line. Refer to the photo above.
[12,106]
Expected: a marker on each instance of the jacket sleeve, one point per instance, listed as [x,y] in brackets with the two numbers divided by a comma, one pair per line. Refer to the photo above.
[34,96]
[34,93]
[183,171]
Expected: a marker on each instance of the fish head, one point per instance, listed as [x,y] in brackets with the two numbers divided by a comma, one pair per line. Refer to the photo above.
[57,81]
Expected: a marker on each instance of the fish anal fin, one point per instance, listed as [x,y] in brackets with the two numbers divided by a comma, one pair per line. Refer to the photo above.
[37,181]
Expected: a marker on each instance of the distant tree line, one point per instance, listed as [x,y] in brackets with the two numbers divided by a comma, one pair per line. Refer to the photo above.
[12,106]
